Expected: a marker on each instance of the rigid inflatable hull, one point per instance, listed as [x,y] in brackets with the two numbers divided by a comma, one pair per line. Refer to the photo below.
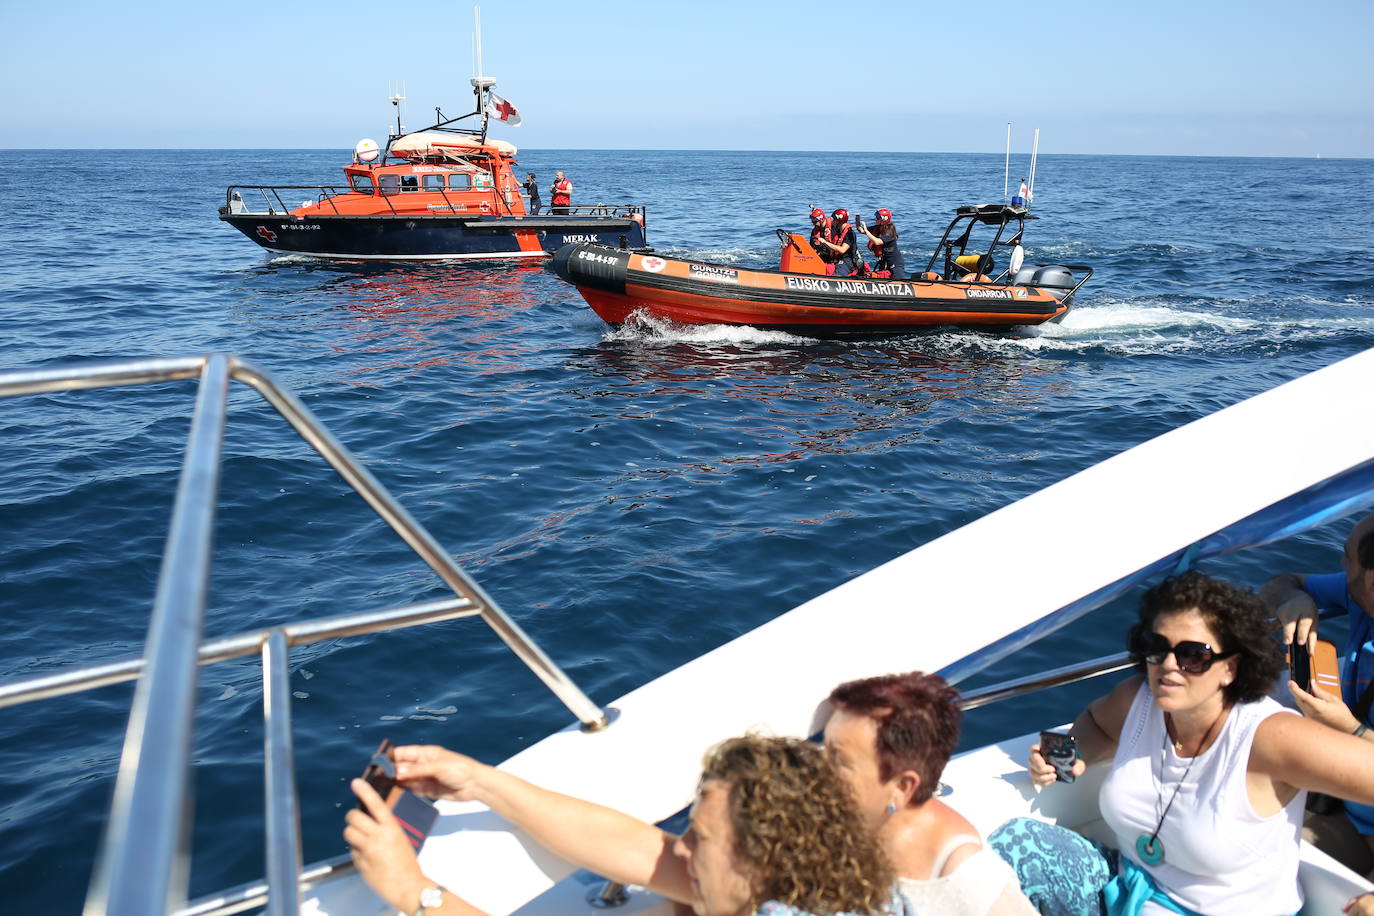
[617,283]
[431,237]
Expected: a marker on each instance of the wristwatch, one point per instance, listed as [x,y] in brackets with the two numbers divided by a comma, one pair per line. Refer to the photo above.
[431,898]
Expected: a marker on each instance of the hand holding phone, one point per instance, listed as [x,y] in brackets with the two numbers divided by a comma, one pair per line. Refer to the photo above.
[380,773]
[416,815]
[1300,665]
[1060,751]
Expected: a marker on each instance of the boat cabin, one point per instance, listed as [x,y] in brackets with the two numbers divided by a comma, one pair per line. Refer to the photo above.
[428,172]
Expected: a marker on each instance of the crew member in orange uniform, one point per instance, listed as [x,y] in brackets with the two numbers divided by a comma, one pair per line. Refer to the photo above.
[841,243]
[562,194]
[820,235]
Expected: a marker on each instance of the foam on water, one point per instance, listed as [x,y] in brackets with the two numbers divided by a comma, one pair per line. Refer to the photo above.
[643,327]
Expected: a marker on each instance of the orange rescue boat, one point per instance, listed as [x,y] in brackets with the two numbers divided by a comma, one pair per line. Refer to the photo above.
[801,299]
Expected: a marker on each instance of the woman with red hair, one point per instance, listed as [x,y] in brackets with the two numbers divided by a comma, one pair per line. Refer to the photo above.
[890,738]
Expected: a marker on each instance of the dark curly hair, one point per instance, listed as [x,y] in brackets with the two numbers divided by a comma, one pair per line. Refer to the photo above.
[796,828]
[918,723]
[1238,617]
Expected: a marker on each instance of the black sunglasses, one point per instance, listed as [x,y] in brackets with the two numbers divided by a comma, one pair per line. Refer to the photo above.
[1193,657]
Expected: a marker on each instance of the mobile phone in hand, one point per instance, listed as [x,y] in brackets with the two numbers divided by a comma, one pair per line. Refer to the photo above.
[1060,750]
[1300,665]
[415,814]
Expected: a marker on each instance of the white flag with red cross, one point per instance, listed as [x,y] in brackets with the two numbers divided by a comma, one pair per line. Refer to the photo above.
[502,110]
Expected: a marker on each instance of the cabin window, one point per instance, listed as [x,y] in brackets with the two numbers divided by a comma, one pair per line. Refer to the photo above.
[361,183]
[389,183]
[410,183]
[432,182]
[462,181]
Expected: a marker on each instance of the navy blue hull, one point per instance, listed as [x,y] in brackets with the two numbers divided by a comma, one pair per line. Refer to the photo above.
[431,237]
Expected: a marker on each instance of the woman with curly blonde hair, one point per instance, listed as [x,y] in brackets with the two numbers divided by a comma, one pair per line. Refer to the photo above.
[773,832]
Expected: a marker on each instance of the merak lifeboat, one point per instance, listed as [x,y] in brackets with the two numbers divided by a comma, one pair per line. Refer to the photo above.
[437,193]
[800,298]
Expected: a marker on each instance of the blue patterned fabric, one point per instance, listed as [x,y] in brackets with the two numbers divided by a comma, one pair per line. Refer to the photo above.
[1127,893]
[1062,872]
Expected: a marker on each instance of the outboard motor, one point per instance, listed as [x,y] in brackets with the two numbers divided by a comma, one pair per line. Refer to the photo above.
[1059,280]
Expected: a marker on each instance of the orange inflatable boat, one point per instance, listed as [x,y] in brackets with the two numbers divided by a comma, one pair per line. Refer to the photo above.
[801,299]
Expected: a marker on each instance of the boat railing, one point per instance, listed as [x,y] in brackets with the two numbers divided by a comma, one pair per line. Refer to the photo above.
[280,200]
[241,198]
[143,863]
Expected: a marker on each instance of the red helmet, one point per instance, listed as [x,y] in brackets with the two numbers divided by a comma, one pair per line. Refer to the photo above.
[817,213]
[840,214]
[884,215]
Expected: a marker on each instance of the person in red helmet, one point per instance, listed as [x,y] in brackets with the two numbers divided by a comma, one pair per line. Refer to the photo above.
[841,243]
[820,234]
[882,241]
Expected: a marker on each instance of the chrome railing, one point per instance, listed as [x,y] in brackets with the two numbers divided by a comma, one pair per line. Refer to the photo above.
[144,861]
[1057,677]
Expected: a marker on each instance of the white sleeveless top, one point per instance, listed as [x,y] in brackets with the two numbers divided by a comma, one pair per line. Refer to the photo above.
[1220,858]
[970,890]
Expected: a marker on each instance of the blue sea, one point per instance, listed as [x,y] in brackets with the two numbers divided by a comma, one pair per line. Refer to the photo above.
[632,497]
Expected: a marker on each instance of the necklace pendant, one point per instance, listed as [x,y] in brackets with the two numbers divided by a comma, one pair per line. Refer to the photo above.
[1150,849]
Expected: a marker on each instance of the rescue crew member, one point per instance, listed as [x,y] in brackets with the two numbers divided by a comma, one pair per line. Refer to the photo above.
[882,241]
[820,233]
[562,194]
[841,243]
[532,189]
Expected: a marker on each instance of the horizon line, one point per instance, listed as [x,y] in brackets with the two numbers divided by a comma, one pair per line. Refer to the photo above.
[630,149]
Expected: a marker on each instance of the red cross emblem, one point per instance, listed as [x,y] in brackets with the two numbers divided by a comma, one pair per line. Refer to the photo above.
[505,110]
[653,263]
[264,232]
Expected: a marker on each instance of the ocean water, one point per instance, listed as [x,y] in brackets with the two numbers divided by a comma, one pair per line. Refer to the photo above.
[632,497]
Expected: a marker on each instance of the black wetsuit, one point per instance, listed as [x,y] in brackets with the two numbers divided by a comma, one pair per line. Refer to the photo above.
[532,189]
[890,257]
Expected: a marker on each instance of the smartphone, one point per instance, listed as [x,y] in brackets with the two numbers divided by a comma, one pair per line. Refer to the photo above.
[1060,750]
[1300,665]
[415,814]
[380,772]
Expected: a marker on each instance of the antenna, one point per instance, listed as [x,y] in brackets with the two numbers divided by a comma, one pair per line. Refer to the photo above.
[480,83]
[396,98]
[1006,168]
[1035,153]
[477,38]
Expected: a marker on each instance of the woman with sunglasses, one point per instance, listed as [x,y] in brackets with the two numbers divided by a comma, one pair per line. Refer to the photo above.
[1208,774]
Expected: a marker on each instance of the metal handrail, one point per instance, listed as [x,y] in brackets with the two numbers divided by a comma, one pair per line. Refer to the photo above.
[88,677]
[144,863]
[279,781]
[1056,677]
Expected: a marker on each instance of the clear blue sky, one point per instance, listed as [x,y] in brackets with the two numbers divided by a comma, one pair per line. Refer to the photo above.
[1206,77]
